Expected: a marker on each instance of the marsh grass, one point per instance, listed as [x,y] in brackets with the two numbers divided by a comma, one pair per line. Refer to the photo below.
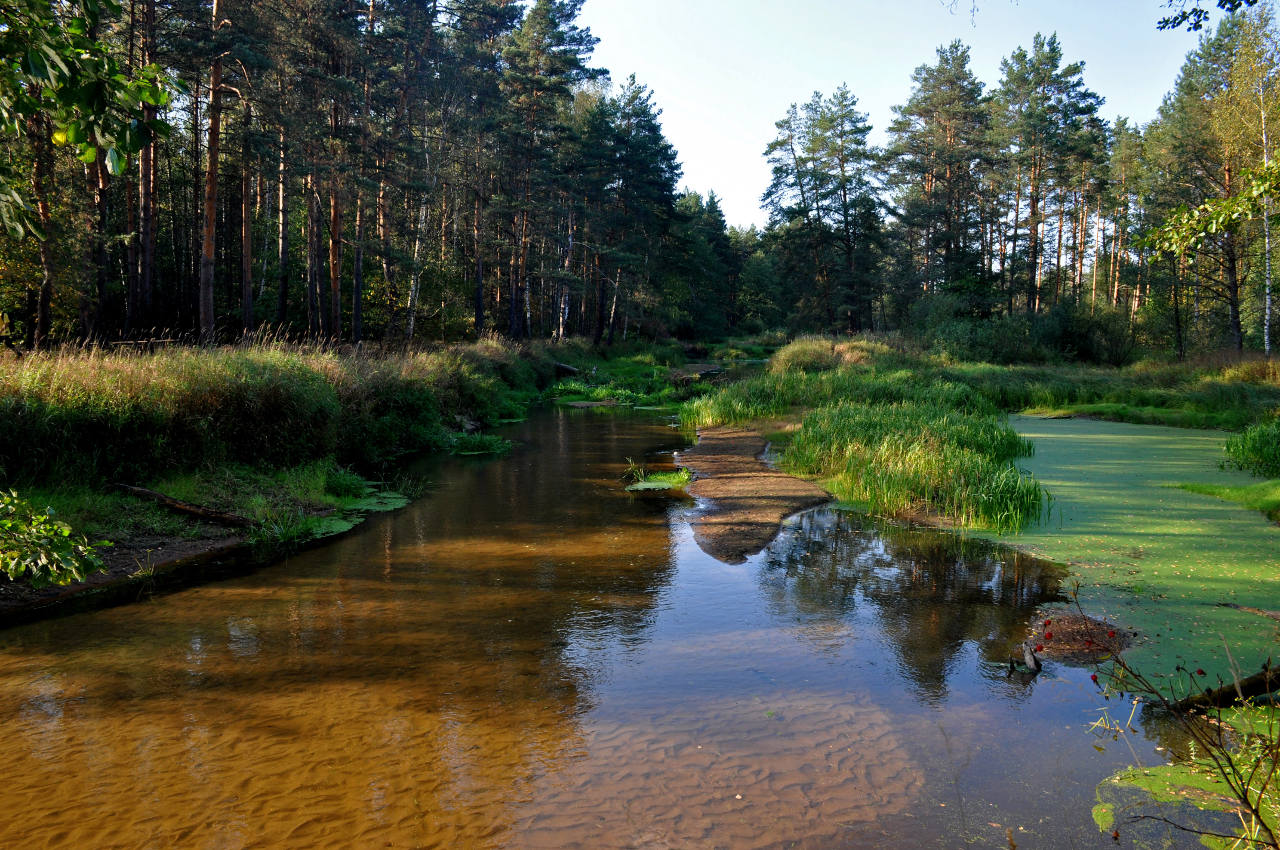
[90,417]
[1257,450]
[639,477]
[903,432]
[911,457]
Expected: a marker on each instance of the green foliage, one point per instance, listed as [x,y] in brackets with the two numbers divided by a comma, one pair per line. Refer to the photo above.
[40,550]
[1257,450]
[480,444]
[905,433]
[1187,228]
[920,457]
[59,81]
[808,354]
[1065,333]
[626,374]
[640,478]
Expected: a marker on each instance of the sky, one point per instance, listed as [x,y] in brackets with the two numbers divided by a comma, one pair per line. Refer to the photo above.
[723,71]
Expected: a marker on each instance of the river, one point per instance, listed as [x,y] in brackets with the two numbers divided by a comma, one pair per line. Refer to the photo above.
[529,656]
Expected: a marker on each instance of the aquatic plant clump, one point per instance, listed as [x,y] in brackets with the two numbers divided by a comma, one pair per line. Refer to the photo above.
[1257,450]
[923,458]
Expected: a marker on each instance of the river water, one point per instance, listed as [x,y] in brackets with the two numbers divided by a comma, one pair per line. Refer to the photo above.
[531,657]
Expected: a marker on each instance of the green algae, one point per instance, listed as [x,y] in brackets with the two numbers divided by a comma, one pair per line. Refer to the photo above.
[1177,567]
[1200,779]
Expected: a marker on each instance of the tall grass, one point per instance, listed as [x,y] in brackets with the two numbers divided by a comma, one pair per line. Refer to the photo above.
[87,416]
[1257,450]
[920,457]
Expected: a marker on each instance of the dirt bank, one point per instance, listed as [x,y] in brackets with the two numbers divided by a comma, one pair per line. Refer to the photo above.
[134,568]
[747,499]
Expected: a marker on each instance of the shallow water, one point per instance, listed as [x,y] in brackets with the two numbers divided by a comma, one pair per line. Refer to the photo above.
[530,657]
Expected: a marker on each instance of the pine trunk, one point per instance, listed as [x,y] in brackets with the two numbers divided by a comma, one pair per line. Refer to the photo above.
[208,242]
[246,228]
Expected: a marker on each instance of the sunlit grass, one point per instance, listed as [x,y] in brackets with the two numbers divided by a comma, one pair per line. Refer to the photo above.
[888,428]
[1263,496]
[85,415]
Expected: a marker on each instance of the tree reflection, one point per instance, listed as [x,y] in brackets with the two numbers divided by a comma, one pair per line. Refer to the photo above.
[929,592]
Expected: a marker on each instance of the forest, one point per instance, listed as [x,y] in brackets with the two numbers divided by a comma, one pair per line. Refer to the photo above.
[396,172]
[368,377]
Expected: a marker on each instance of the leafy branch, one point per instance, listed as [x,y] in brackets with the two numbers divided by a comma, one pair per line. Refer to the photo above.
[41,550]
[55,75]
[1187,228]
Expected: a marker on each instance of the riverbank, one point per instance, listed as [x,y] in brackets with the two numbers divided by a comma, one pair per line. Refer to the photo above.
[293,443]
[912,437]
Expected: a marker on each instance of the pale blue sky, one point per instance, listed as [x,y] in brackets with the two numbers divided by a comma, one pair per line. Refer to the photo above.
[723,71]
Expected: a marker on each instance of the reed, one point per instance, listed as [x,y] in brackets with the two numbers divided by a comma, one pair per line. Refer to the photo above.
[926,458]
[1257,450]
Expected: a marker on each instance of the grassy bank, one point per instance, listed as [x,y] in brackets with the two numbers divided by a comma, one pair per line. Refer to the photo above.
[291,438]
[93,417]
[905,433]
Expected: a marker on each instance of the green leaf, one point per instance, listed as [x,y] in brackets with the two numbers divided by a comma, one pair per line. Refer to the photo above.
[116,163]
[37,68]
[88,154]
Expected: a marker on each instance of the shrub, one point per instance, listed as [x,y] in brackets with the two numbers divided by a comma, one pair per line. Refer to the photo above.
[807,354]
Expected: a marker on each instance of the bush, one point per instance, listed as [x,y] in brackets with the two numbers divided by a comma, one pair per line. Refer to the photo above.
[807,354]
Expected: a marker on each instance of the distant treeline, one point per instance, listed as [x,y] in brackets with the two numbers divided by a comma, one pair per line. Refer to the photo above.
[399,170]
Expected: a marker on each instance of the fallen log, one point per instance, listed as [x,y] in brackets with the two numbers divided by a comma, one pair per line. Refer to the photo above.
[210,514]
[1264,682]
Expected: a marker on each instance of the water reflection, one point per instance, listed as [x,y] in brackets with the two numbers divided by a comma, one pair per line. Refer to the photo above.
[530,657]
[930,593]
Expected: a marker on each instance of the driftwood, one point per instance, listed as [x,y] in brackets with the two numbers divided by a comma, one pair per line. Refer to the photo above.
[210,514]
[1265,682]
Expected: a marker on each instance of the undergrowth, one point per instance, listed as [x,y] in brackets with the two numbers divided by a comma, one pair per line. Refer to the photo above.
[634,374]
